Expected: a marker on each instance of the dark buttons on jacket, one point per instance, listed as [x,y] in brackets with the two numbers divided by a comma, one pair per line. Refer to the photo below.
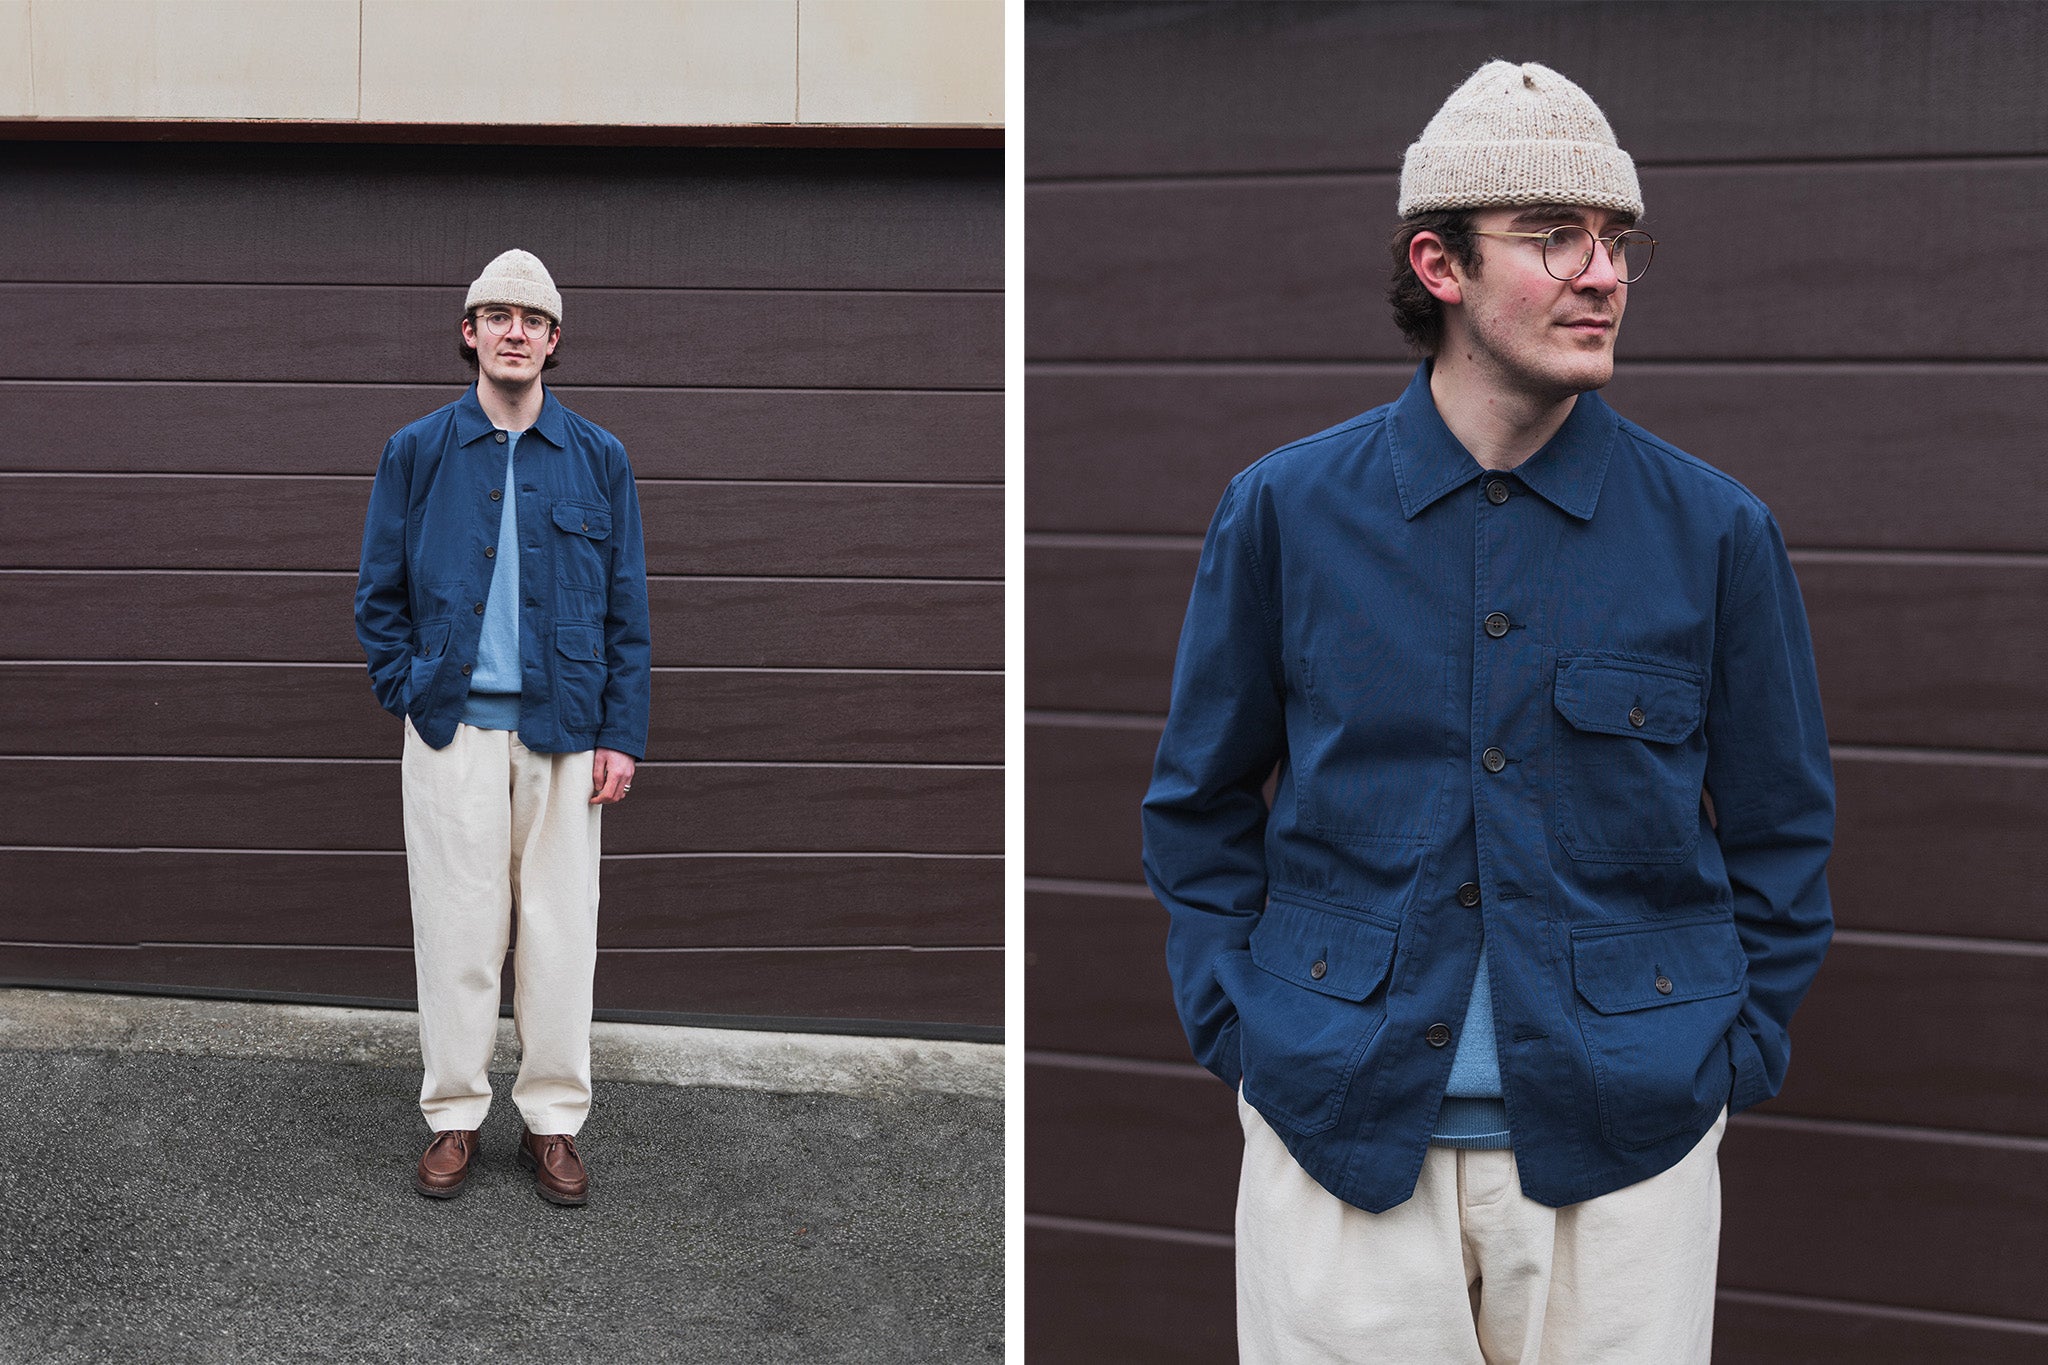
[1468,895]
[497,494]
[1318,970]
[1636,717]
[479,609]
[466,668]
[1496,491]
[596,652]
[1438,1035]
[1496,625]
[501,438]
[490,552]
[1663,985]
[1493,760]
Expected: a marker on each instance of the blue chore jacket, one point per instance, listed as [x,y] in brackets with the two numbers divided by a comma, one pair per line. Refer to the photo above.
[1568,709]
[428,546]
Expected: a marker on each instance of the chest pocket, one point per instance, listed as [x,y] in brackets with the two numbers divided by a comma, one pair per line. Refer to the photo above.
[1630,758]
[580,549]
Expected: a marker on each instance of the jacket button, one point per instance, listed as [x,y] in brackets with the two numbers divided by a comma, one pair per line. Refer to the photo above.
[1496,491]
[1496,625]
[466,668]
[479,609]
[1468,895]
[1663,985]
[1319,969]
[1493,760]
[501,438]
[1636,717]
[497,494]
[1438,1035]
[490,552]
[596,652]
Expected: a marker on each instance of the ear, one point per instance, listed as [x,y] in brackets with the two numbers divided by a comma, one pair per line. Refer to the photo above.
[554,340]
[1435,267]
[469,334]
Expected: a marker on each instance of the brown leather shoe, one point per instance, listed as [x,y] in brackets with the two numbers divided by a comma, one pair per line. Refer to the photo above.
[445,1163]
[558,1174]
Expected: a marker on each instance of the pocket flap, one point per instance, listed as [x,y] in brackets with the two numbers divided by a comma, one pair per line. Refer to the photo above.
[1616,697]
[584,519]
[578,641]
[1337,952]
[1624,967]
[430,640]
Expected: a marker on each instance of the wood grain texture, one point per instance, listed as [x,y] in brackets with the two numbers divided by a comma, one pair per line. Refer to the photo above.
[1272,269]
[171,521]
[309,618]
[128,896]
[1847,456]
[1095,974]
[1200,89]
[1084,783]
[1104,1295]
[1153,1145]
[961,986]
[353,804]
[644,218]
[725,338]
[1772,1330]
[233,428]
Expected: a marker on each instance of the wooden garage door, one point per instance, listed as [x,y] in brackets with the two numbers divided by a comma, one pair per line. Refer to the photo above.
[802,352]
[1210,190]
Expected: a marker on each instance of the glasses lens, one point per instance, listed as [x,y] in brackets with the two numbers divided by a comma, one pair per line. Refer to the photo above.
[1567,251]
[537,325]
[497,324]
[1632,252]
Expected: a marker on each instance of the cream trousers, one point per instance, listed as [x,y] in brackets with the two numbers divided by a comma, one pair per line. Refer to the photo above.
[495,833]
[1470,1271]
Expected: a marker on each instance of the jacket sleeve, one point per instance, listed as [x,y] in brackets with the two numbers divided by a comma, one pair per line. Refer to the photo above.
[627,641]
[383,602]
[1205,815]
[1773,791]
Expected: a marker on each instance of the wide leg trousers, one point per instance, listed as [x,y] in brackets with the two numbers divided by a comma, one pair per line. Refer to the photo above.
[496,833]
[1471,1271]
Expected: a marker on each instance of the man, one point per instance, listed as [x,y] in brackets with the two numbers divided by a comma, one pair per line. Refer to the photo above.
[503,609]
[1541,882]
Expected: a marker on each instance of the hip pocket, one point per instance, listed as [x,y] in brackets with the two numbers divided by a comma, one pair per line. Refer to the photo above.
[579,675]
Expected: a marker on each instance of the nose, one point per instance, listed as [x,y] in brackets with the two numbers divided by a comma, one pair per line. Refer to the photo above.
[1598,277]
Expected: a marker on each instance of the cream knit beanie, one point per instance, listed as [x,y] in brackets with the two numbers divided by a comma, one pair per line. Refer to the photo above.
[1518,134]
[517,277]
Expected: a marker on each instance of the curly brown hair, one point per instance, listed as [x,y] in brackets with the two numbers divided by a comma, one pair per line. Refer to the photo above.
[1416,311]
[468,352]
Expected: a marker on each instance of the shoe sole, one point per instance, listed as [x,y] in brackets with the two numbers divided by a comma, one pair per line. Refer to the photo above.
[432,1192]
[567,1201]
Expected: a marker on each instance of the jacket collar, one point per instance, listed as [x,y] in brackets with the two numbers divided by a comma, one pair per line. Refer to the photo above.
[1430,462]
[471,424]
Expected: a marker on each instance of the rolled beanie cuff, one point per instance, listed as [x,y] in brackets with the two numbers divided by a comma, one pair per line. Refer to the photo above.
[520,293]
[1471,175]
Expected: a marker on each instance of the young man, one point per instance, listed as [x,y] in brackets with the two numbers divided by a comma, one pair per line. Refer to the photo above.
[1541,881]
[503,608]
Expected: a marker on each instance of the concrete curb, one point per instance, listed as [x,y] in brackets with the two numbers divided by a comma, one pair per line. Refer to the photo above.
[735,1059]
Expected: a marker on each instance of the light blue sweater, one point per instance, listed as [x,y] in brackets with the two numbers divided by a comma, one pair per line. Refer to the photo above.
[494,684]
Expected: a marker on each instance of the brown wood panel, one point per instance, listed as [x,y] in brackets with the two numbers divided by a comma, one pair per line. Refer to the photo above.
[1925,844]
[233,428]
[647,218]
[339,804]
[1188,89]
[175,521]
[728,338]
[1272,269]
[116,896]
[1095,973]
[1101,1295]
[1931,652]
[326,711]
[937,985]
[1753,1329]
[309,617]
[1847,456]
[1130,1142]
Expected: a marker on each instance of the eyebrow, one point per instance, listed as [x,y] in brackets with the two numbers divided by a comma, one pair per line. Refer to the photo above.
[1553,214]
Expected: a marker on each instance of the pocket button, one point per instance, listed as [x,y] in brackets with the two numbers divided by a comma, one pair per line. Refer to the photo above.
[1636,717]
[1319,970]
[1663,985]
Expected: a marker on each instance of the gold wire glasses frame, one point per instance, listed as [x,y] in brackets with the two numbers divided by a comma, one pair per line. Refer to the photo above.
[1630,250]
[535,325]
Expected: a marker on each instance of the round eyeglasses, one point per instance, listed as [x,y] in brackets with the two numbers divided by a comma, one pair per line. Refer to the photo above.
[498,322]
[1568,250]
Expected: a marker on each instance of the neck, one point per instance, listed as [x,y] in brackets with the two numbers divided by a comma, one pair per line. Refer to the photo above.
[511,407]
[1501,425]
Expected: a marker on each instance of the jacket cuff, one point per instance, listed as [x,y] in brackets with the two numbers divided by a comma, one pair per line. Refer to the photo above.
[631,746]
[1752,1081]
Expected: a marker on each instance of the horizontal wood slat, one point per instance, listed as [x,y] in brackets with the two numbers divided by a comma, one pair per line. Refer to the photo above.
[328,711]
[1105,1296]
[1273,269]
[1925,845]
[235,428]
[116,896]
[1847,456]
[354,804]
[378,334]
[1919,652]
[938,985]
[1195,89]
[1964,1225]
[303,617]
[1775,1331]
[643,217]
[837,530]
[1095,974]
